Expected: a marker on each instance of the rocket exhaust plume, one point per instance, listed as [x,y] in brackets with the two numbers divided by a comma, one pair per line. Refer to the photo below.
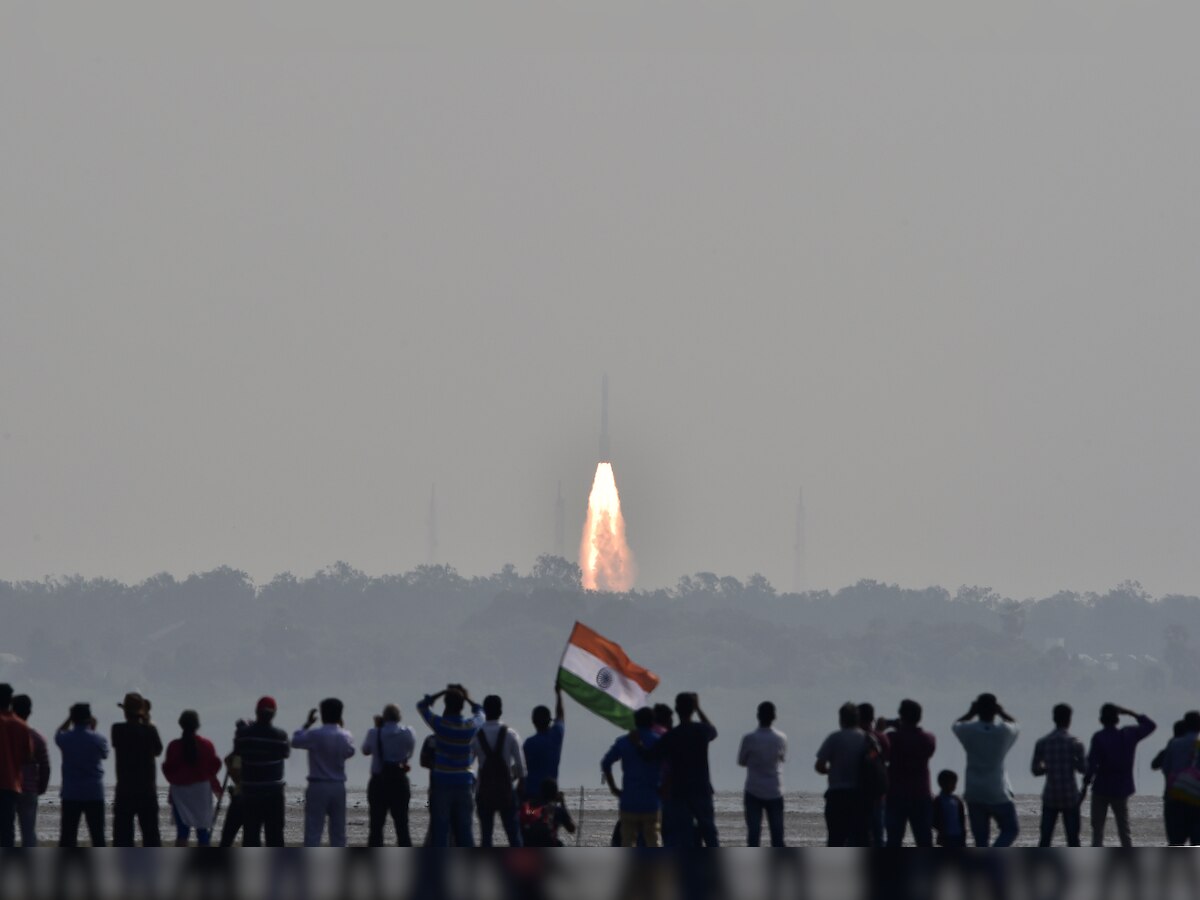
[604,556]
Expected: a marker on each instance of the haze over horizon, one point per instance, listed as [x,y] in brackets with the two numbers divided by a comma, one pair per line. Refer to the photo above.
[267,274]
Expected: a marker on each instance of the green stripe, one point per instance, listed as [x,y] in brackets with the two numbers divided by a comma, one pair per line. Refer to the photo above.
[602,704]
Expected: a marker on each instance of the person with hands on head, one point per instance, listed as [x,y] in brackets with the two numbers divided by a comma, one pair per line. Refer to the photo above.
[83,753]
[390,746]
[986,788]
[451,781]
[1110,769]
[328,746]
[685,750]
[137,746]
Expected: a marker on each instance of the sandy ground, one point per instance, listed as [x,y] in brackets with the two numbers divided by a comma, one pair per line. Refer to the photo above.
[804,822]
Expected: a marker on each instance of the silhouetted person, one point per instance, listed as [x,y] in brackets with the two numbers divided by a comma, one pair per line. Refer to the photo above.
[763,753]
[451,781]
[390,746]
[1059,756]
[840,758]
[987,790]
[1179,729]
[16,751]
[137,747]
[949,814]
[35,776]
[328,746]
[909,798]
[875,805]
[664,721]
[190,767]
[262,748]
[1183,753]
[1110,769]
[638,800]
[83,753]
[498,749]
[541,818]
[235,811]
[543,748]
[685,751]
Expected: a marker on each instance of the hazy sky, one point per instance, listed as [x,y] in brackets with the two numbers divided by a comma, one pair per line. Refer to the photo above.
[269,271]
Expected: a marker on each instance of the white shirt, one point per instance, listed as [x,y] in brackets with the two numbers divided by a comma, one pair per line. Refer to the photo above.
[398,745]
[763,753]
[511,750]
[986,743]
[328,746]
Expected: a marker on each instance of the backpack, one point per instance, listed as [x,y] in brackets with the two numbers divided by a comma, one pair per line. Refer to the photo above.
[537,825]
[495,780]
[1184,786]
[872,770]
[429,753]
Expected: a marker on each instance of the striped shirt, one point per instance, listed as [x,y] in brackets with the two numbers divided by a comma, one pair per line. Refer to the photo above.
[262,748]
[453,736]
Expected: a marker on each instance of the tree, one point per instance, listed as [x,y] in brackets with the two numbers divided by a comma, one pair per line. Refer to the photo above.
[555,572]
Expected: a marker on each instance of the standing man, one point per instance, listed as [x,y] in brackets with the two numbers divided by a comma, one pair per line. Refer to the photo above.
[390,746]
[1058,756]
[543,749]
[875,805]
[262,748]
[1110,769]
[83,754]
[328,749]
[1183,752]
[137,745]
[451,781]
[763,753]
[987,790]
[16,751]
[909,798]
[840,758]
[637,797]
[498,749]
[35,777]
[685,751]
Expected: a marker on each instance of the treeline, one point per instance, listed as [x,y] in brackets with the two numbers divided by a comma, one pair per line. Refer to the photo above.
[342,626]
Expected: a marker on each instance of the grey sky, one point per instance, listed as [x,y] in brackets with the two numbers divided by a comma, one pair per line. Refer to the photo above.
[268,272]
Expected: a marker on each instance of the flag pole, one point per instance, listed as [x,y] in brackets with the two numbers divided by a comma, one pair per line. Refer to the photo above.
[566,647]
[579,824]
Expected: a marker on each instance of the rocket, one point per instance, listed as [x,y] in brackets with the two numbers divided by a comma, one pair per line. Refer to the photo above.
[605,451]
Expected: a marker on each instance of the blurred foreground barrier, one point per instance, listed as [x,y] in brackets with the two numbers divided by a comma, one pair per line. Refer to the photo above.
[599,874]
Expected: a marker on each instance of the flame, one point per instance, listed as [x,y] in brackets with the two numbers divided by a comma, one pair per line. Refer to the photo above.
[604,557]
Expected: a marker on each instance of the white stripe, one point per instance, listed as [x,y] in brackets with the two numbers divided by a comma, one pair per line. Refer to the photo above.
[582,664]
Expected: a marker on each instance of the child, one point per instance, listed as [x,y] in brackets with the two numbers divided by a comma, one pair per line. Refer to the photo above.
[949,816]
[541,818]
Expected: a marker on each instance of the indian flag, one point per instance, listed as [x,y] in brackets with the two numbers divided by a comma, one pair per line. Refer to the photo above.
[598,674]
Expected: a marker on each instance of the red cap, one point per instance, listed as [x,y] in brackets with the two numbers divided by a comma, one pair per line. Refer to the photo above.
[266,703]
